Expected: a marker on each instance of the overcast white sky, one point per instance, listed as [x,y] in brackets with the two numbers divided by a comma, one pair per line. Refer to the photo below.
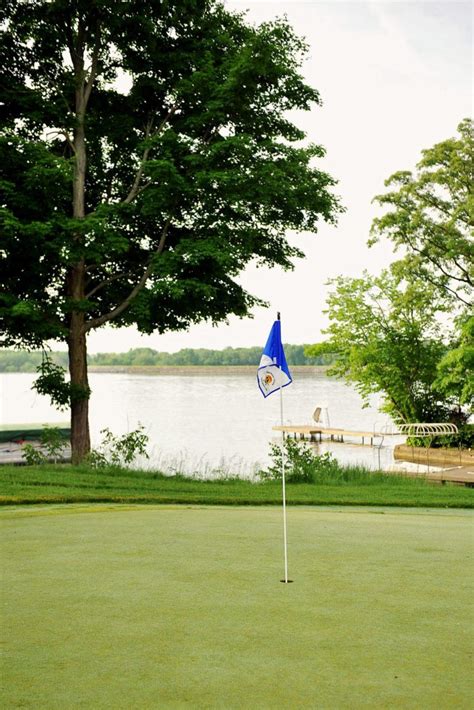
[395,77]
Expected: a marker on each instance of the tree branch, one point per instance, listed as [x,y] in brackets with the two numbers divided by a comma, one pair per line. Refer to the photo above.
[434,261]
[428,277]
[138,176]
[106,282]
[63,132]
[135,189]
[76,48]
[97,322]
[461,268]
[93,69]
[433,202]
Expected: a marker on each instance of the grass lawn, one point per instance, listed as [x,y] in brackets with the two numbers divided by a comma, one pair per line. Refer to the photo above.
[69,484]
[170,607]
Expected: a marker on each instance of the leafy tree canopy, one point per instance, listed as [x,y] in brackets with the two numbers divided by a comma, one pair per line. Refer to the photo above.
[189,175]
[430,216]
[147,157]
[408,333]
[456,369]
[388,340]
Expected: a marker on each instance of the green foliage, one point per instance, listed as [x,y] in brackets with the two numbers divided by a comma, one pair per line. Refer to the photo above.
[190,174]
[455,377]
[322,352]
[119,451]
[24,361]
[52,446]
[430,216]
[390,333]
[142,205]
[52,441]
[464,439]
[302,464]
[33,456]
[388,340]
[52,383]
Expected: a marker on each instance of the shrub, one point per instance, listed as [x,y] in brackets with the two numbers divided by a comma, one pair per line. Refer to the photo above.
[32,455]
[119,451]
[302,464]
[52,446]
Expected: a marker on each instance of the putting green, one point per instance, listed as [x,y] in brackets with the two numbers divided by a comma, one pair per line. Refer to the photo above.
[162,607]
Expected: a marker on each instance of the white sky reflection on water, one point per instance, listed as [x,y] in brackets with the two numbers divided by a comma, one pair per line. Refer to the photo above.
[202,423]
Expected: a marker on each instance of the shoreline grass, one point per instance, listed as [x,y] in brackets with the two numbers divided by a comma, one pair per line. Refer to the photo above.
[26,485]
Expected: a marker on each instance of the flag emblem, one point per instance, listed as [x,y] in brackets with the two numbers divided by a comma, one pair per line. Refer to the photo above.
[273,371]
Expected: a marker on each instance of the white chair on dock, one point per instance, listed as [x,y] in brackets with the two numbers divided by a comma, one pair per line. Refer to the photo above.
[321,416]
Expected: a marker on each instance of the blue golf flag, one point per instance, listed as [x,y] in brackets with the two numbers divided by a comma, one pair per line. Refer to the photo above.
[273,371]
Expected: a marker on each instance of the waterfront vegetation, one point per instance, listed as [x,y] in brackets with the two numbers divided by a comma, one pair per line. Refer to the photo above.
[390,332]
[313,478]
[30,360]
[158,197]
[64,483]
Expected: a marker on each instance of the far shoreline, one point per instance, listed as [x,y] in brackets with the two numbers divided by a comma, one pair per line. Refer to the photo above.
[301,370]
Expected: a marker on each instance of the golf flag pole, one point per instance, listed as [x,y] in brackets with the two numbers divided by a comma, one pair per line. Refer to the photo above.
[272,375]
[283,484]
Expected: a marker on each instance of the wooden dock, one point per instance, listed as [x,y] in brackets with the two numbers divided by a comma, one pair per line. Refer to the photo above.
[20,433]
[316,433]
[14,436]
[12,453]
[460,475]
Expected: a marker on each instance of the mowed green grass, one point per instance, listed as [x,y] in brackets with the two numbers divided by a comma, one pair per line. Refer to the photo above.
[175,607]
[79,484]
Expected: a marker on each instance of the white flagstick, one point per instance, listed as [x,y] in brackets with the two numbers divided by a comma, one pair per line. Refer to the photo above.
[285,541]
[285,536]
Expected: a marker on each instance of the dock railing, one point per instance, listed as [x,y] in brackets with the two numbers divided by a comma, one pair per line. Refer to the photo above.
[428,430]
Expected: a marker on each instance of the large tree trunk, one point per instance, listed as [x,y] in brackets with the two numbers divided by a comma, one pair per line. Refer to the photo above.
[80,437]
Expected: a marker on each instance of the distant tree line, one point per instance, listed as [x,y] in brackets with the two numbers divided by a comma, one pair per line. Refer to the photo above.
[28,361]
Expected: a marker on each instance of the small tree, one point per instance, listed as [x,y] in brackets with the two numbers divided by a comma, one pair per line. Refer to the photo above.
[141,205]
[387,339]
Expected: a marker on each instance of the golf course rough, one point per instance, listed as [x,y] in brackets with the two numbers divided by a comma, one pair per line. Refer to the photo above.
[174,607]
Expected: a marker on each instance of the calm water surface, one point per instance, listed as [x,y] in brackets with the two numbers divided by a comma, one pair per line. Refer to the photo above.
[202,422]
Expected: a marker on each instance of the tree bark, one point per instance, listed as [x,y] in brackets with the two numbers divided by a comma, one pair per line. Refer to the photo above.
[77,346]
[80,436]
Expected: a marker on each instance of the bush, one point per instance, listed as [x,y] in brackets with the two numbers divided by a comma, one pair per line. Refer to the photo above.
[464,439]
[52,446]
[302,464]
[32,455]
[119,451]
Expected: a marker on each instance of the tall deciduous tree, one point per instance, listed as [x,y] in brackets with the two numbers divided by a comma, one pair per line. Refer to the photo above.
[147,156]
[408,333]
[430,216]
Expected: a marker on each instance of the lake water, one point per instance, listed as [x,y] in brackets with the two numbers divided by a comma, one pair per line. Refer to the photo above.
[205,423]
